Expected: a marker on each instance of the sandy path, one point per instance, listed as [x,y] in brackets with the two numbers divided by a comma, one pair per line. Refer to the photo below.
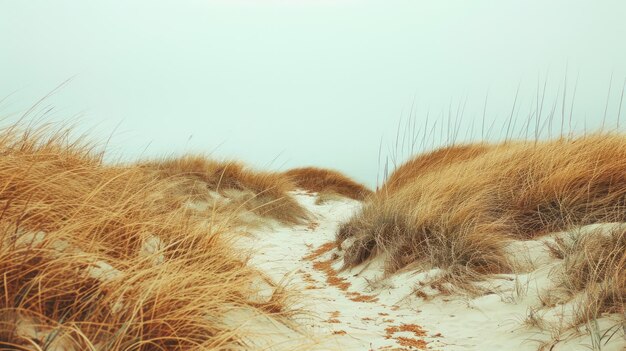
[354,320]
[356,310]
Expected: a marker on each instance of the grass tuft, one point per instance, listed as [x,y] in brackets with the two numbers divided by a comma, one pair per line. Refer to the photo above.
[593,271]
[321,180]
[264,193]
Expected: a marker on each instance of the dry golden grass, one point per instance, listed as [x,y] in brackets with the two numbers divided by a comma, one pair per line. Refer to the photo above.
[430,161]
[459,209]
[264,193]
[103,257]
[594,265]
[321,180]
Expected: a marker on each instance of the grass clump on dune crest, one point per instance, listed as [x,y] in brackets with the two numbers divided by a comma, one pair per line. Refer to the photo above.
[458,207]
[102,257]
[264,193]
[322,180]
[431,161]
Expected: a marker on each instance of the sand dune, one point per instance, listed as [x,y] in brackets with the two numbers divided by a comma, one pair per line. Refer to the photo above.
[198,254]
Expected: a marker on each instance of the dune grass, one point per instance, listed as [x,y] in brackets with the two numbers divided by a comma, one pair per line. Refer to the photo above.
[327,181]
[593,271]
[436,159]
[104,257]
[457,208]
[264,193]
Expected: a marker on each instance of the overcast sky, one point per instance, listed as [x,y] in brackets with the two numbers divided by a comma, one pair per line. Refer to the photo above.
[281,84]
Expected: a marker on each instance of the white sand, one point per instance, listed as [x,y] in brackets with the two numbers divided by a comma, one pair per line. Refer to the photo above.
[359,309]
[493,321]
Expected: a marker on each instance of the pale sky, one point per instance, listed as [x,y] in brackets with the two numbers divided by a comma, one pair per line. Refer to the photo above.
[281,84]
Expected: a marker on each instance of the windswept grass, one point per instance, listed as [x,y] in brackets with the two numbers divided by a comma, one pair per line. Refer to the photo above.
[430,161]
[103,257]
[458,207]
[264,193]
[321,180]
